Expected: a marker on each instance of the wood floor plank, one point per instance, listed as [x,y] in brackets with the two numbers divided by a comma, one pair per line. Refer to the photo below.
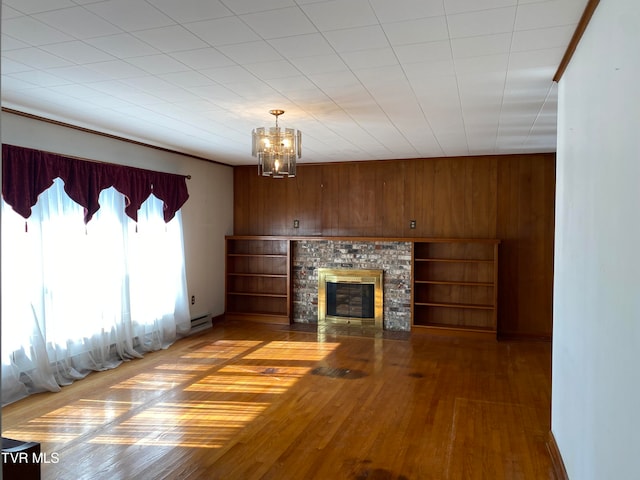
[248,401]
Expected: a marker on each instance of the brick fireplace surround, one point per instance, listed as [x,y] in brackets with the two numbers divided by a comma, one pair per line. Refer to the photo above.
[394,258]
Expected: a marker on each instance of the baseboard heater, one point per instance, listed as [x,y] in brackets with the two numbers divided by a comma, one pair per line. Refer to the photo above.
[200,323]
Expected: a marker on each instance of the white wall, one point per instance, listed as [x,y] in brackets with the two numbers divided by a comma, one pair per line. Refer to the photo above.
[596,334]
[207,215]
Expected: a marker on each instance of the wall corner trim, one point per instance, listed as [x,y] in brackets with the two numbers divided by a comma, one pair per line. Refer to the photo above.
[556,458]
[577,35]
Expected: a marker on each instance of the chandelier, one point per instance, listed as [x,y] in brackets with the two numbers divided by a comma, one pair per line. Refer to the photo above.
[276,149]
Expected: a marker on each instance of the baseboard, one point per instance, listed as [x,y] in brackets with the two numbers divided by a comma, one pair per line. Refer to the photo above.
[556,458]
[526,337]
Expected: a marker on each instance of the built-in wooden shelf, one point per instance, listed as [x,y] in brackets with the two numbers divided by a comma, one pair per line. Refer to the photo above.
[455,285]
[454,281]
[258,278]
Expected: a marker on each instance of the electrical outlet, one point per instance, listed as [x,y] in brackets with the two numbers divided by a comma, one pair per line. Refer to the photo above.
[296,224]
[193,299]
[412,224]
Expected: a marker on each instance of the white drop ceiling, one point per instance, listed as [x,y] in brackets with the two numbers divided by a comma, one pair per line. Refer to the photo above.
[362,79]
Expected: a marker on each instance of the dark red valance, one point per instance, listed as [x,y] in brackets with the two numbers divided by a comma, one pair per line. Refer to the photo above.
[26,173]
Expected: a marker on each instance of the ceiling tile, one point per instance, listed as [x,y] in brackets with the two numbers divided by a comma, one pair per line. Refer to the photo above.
[464,6]
[78,22]
[481,45]
[549,57]
[81,91]
[384,80]
[255,90]
[130,14]
[541,38]
[250,52]
[116,69]
[417,31]
[35,6]
[109,87]
[39,78]
[192,10]
[13,66]
[290,85]
[33,32]
[174,38]
[122,45]
[340,81]
[216,93]
[284,22]
[223,31]
[302,46]
[485,22]
[10,43]
[549,14]
[271,70]
[488,63]
[77,52]
[230,74]
[8,12]
[320,64]
[187,79]
[365,59]
[426,70]
[36,58]
[77,74]
[240,7]
[434,52]
[203,58]
[150,84]
[14,85]
[337,14]
[399,10]
[354,39]
[158,64]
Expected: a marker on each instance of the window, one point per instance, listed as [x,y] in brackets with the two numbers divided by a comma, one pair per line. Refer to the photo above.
[79,297]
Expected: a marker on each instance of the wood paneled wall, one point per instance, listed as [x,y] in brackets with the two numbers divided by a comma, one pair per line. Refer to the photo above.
[509,197]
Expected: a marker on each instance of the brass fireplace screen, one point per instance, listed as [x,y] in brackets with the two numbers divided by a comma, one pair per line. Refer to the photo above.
[350,296]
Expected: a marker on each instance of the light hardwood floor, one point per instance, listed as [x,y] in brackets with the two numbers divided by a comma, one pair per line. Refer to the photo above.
[249,401]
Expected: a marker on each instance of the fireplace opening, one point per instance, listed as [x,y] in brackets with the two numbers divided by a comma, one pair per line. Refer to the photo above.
[350,300]
[350,296]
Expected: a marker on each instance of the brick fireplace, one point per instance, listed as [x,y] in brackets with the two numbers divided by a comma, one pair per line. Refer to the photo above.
[393,258]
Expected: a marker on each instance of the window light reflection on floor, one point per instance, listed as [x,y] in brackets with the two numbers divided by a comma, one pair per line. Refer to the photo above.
[226,385]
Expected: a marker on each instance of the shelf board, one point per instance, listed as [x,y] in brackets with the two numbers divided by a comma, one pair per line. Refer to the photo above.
[455,305]
[264,275]
[252,294]
[453,260]
[469,284]
[258,255]
[439,329]
[263,317]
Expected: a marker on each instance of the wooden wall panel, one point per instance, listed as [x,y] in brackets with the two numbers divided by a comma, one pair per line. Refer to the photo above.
[306,203]
[526,205]
[507,197]
[391,187]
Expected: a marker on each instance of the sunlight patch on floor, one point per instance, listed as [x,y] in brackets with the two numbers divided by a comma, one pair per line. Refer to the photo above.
[202,401]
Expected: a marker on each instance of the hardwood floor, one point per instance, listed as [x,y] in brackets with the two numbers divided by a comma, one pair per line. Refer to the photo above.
[250,401]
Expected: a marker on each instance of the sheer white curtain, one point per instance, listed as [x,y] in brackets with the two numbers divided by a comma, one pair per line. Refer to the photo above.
[78,298]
